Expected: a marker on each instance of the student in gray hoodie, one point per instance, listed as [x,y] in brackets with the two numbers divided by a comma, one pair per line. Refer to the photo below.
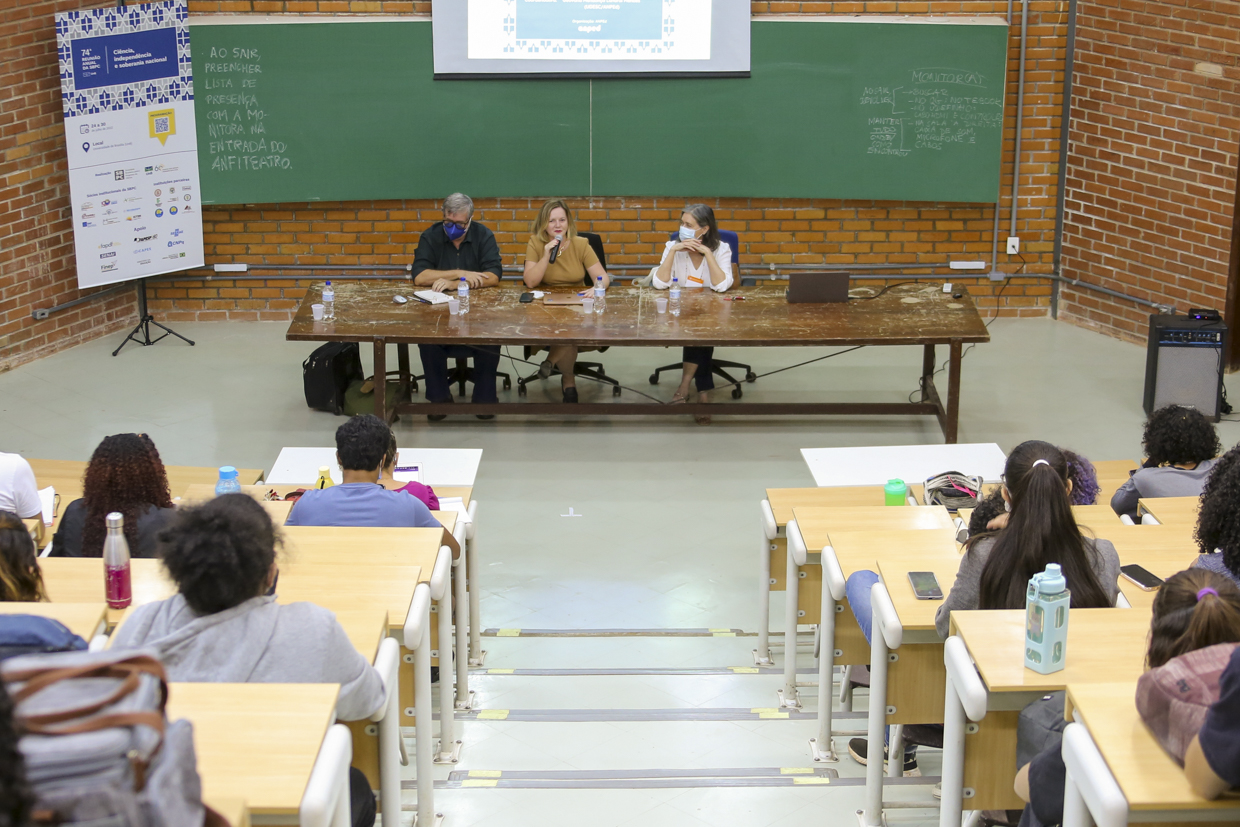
[1180,446]
[224,624]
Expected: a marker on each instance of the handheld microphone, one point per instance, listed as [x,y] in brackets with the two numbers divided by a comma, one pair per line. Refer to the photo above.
[555,251]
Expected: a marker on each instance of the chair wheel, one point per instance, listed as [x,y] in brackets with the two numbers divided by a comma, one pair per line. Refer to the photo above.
[615,390]
[751,377]
[654,378]
[507,384]
[521,390]
[737,393]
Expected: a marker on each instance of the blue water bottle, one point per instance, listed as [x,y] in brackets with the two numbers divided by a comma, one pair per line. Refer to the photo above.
[228,483]
[1046,621]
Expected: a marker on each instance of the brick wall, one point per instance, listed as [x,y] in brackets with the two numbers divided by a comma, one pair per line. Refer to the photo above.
[1151,186]
[773,231]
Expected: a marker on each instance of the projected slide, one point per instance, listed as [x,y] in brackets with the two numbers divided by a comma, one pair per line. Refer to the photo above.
[589,30]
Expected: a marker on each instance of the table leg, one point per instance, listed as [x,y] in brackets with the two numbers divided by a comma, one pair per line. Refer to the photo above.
[822,748]
[464,697]
[927,372]
[762,655]
[380,349]
[477,656]
[953,392]
[872,816]
[788,695]
[423,726]
[449,751]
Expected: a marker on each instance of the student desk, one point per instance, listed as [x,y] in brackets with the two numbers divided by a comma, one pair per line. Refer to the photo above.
[66,477]
[1181,511]
[875,465]
[234,810]
[901,315]
[814,527]
[256,742]
[1162,550]
[1118,772]
[775,511]
[1112,473]
[83,619]
[441,467]
[987,684]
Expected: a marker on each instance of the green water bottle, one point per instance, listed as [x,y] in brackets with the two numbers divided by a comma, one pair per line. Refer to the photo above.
[895,492]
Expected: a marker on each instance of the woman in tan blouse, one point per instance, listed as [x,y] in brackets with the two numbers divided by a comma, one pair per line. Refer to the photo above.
[555,229]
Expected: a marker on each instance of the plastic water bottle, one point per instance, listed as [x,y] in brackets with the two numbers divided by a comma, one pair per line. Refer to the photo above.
[673,297]
[329,302]
[117,584]
[895,492]
[325,478]
[228,483]
[1046,621]
[462,294]
[600,297]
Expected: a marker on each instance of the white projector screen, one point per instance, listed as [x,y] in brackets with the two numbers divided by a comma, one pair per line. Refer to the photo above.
[591,38]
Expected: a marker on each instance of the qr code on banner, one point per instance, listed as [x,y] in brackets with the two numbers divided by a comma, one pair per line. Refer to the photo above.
[161,125]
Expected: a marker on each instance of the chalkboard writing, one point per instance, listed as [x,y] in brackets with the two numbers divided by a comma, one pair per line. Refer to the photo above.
[235,118]
[931,109]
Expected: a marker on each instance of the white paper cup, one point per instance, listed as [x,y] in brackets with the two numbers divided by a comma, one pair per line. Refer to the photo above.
[587,305]
[454,306]
[317,311]
[661,304]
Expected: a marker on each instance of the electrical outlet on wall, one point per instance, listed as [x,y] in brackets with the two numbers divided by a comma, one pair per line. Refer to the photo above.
[1013,245]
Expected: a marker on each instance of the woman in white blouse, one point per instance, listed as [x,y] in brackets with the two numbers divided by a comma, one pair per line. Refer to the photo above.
[697,259]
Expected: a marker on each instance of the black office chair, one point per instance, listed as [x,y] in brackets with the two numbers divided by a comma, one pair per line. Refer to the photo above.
[719,365]
[592,370]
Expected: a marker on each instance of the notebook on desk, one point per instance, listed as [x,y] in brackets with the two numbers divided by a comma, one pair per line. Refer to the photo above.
[562,298]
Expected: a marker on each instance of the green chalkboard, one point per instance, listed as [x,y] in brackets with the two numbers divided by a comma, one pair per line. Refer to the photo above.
[839,108]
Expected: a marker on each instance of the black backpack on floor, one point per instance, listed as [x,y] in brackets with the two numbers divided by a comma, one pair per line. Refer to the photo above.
[327,374]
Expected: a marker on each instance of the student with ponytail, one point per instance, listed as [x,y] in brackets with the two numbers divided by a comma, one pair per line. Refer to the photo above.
[996,567]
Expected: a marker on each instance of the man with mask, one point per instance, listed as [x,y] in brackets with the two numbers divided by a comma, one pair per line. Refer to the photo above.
[449,250]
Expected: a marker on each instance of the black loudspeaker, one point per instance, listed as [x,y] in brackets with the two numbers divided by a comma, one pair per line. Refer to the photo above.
[1184,364]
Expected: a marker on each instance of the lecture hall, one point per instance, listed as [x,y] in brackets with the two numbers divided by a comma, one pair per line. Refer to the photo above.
[348,475]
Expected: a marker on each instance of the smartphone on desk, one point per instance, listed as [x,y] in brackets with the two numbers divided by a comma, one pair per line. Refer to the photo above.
[1143,578]
[925,585]
[526,298]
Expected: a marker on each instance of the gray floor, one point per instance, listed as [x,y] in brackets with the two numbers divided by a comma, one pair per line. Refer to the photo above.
[668,537]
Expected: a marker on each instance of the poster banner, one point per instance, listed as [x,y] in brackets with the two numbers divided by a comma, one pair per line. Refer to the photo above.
[127,87]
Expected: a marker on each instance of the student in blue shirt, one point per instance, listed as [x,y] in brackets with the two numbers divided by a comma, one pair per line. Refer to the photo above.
[361,444]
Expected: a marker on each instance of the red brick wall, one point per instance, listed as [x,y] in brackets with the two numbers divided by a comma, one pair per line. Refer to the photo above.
[39,268]
[1151,186]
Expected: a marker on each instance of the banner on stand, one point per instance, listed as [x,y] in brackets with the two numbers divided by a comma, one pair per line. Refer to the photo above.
[127,88]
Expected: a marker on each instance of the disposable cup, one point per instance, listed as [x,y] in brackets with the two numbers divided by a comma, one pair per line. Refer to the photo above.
[661,304]
[454,306]
[317,311]
[587,305]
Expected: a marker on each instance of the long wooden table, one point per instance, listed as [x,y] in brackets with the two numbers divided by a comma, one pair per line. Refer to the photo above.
[83,619]
[918,314]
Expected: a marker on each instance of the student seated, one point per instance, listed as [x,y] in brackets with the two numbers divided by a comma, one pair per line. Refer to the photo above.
[1218,522]
[1195,611]
[20,578]
[1180,444]
[18,491]
[361,445]
[387,478]
[125,474]
[991,513]
[223,625]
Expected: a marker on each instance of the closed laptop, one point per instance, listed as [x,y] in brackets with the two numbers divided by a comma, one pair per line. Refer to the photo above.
[817,288]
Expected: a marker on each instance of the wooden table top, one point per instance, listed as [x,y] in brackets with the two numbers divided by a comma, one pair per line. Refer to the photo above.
[903,315]
[1112,473]
[895,564]
[1146,774]
[784,500]
[256,741]
[818,525]
[1181,511]
[861,550]
[279,509]
[1103,645]
[82,619]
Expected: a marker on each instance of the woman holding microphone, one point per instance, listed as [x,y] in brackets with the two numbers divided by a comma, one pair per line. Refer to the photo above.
[555,257]
[697,259]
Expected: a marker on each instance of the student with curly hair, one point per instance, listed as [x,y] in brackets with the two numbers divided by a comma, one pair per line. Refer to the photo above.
[360,500]
[124,474]
[223,626]
[16,798]
[1218,523]
[20,578]
[1180,446]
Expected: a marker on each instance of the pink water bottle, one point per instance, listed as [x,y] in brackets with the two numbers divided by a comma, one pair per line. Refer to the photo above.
[117,586]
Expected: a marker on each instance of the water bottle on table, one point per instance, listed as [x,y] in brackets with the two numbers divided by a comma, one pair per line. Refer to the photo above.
[117,583]
[673,297]
[1046,621]
[462,295]
[600,296]
[325,478]
[228,483]
[329,302]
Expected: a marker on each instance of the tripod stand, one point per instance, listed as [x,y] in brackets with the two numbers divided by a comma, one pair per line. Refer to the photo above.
[142,331]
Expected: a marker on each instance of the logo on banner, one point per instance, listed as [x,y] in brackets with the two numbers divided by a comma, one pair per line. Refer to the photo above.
[163,123]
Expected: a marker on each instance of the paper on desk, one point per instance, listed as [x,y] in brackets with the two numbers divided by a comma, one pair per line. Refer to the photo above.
[433,297]
[47,498]
[456,504]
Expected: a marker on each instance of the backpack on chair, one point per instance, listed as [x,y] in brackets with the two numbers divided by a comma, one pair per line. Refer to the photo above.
[327,372]
[98,747]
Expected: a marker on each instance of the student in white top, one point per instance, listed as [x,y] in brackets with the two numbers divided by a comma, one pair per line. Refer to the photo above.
[698,259]
[18,492]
